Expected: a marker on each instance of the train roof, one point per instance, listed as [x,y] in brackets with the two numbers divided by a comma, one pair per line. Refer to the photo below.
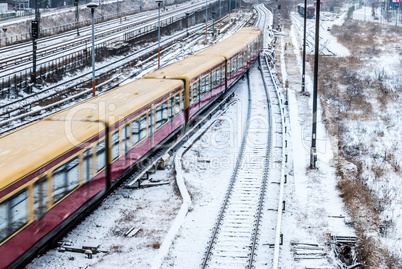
[188,68]
[249,30]
[233,45]
[119,103]
[35,145]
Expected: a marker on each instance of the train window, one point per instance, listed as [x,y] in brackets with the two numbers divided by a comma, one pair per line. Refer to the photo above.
[190,94]
[100,156]
[143,126]
[135,132]
[59,185]
[161,115]
[224,71]
[210,82]
[216,78]
[87,165]
[65,179]
[171,107]
[115,145]
[126,138]
[183,98]
[177,104]
[18,211]
[40,197]
[165,115]
[195,92]
[151,122]
[13,214]
[204,86]
[3,220]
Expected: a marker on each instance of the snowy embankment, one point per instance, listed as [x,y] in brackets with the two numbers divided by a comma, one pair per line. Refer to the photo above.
[361,99]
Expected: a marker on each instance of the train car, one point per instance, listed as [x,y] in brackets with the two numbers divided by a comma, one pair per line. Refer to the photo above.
[208,73]
[238,60]
[202,75]
[53,170]
[310,11]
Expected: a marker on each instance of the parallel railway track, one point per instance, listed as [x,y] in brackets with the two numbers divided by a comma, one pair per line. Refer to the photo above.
[235,234]
[25,110]
[247,230]
[60,52]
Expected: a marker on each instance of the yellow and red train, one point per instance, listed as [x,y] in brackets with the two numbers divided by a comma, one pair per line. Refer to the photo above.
[54,169]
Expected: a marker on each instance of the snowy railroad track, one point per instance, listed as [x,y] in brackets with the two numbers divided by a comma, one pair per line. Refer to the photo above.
[237,235]
[109,31]
[47,101]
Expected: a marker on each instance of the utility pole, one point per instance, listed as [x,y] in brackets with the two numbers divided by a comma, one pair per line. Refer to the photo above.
[220,17]
[213,23]
[77,16]
[206,20]
[35,28]
[34,36]
[37,13]
[187,15]
[313,150]
[304,48]
[159,32]
[229,9]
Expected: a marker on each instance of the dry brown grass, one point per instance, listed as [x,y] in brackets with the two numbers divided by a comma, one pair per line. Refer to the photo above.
[366,38]
[346,97]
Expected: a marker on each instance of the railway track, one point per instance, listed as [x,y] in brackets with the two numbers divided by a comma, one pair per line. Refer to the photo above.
[17,63]
[252,198]
[53,44]
[38,105]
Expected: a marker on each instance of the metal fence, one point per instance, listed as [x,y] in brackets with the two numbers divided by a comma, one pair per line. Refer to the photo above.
[13,39]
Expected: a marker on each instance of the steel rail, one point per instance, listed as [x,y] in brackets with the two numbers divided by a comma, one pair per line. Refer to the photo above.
[282,177]
[82,40]
[231,183]
[122,64]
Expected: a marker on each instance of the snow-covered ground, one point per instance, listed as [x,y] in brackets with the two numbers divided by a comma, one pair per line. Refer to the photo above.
[314,209]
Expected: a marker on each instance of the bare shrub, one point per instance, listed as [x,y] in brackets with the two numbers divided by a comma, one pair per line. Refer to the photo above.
[116,249]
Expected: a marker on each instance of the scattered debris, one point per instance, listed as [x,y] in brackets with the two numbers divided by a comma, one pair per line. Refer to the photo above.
[308,251]
[88,250]
[132,231]
[344,249]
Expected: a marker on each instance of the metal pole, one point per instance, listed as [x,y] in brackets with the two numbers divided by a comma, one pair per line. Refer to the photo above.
[77,19]
[213,23]
[304,48]
[187,15]
[229,10]
[206,20]
[93,53]
[313,151]
[159,34]
[37,14]
[220,16]
[33,77]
